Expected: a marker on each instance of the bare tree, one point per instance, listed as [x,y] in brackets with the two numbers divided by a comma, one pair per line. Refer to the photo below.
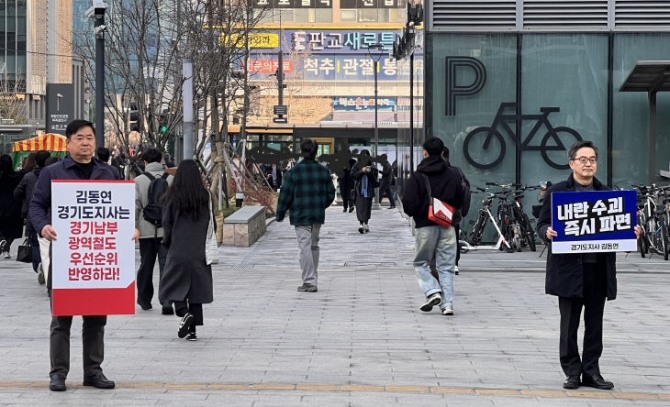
[12,107]
[141,58]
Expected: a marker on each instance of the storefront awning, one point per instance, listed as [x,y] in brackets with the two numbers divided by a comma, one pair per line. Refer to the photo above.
[648,76]
[651,77]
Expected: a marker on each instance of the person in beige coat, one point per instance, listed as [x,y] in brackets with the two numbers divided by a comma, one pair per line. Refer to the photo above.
[151,236]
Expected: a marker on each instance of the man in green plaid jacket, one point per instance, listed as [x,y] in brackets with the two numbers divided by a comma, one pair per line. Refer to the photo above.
[306,192]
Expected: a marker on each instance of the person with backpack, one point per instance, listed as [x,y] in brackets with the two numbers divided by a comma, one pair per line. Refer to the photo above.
[149,188]
[465,206]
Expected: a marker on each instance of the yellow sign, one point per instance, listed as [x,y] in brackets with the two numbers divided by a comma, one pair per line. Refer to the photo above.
[256,40]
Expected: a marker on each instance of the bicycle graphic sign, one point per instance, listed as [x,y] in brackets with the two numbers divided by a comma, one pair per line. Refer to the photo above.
[594,221]
[485,146]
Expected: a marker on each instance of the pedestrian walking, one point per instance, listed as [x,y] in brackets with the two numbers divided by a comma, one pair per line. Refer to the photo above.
[346,184]
[149,188]
[24,193]
[79,164]
[581,281]
[187,278]
[306,193]
[365,176]
[433,240]
[386,181]
[11,220]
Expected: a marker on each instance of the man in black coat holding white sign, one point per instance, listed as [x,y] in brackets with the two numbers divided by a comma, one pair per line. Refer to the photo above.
[580,280]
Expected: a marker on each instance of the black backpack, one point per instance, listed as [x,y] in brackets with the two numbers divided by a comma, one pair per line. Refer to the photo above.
[465,186]
[153,211]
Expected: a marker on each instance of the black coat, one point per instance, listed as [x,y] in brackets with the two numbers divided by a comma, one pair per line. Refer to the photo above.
[565,272]
[186,274]
[445,185]
[346,183]
[11,219]
[357,176]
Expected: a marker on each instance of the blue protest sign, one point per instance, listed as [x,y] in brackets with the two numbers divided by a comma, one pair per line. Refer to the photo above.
[594,221]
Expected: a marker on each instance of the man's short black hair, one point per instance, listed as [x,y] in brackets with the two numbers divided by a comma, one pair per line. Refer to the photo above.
[77,124]
[433,146]
[102,153]
[41,157]
[572,152]
[152,155]
[308,149]
[445,153]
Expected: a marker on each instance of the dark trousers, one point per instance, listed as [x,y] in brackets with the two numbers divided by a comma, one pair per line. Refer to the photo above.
[93,343]
[346,200]
[35,243]
[150,248]
[182,307]
[363,209]
[385,190]
[593,303]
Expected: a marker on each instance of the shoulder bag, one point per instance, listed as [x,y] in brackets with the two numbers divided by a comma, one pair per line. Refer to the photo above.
[211,245]
[439,211]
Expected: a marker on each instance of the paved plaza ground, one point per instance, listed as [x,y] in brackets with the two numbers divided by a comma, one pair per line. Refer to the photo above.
[359,341]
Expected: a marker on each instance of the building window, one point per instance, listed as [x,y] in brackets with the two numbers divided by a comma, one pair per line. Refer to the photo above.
[367,16]
[348,15]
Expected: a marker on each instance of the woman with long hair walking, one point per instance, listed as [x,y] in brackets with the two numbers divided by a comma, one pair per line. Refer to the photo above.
[187,278]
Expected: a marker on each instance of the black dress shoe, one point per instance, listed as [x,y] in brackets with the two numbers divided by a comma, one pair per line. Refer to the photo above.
[99,381]
[597,381]
[57,383]
[146,306]
[571,383]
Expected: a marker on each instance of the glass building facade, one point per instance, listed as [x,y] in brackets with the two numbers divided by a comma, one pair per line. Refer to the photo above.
[509,85]
[509,105]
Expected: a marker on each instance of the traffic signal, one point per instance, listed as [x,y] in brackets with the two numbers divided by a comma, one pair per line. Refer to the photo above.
[133,118]
[163,121]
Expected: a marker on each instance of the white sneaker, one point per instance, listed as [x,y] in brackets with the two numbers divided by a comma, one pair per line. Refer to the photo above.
[448,310]
[6,255]
[431,301]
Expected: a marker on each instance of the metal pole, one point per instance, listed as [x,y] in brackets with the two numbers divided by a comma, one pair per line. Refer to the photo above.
[411,112]
[187,96]
[376,145]
[375,148]
[100,79]
[280,68]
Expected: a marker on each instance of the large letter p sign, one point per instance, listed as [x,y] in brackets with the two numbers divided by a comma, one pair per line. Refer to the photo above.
[456,65]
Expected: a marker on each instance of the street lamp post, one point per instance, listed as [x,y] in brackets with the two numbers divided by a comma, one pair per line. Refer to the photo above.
[376,51]
[97,13]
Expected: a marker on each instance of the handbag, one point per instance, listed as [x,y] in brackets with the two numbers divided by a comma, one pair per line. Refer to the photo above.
[211,245]
[25,252]
[439,211]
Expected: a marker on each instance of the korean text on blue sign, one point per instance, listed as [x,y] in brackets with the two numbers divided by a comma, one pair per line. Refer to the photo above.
[595,221]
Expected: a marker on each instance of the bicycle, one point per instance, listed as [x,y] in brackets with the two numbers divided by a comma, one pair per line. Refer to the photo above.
[481,139]
[654,219]
[483,218]
[515,223]
[527,230]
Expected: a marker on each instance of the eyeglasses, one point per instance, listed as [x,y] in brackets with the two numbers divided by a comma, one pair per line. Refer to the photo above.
[584,160]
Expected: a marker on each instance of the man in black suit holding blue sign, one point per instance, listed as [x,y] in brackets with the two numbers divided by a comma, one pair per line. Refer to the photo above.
[580,280]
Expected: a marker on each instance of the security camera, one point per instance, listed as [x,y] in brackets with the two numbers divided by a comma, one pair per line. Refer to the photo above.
[97,8]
